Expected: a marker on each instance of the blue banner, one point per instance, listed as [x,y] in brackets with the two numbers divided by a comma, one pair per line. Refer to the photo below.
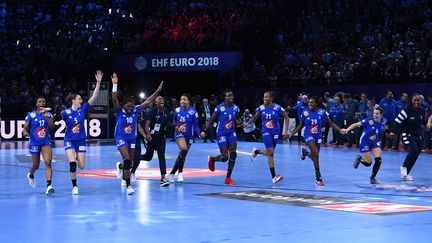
[175,62]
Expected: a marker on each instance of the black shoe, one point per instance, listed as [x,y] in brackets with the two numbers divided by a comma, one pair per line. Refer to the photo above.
[373,181]
[212,141]
[205,141]
[164,183]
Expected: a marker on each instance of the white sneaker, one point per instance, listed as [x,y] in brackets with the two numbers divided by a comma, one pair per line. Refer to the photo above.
[277,178]
[133,178]
[170,178]
[403,172]
[180,177]
[49,190]
[75,190]
[130,190]
[119,171]
[408,178]
[123,183]
[31,181]
[253,155]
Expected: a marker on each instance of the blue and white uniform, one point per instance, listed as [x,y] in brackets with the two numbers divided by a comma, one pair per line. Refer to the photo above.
[126,127]
[371,136]
[270,123]
[313,122]
[75,129]
[187,120]
[226,134]
[39,131]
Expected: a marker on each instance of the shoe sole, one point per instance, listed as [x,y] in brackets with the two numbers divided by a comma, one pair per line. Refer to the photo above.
[50,192]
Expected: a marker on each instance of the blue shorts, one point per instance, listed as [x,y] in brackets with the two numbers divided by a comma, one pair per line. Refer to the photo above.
[367,146]
[130,143]
[313,138]
[225,139]
[189,139]
[36,148]
[270,140]
[79,146]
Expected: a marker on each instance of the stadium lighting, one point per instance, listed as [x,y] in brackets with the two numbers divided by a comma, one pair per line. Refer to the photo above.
[142,95]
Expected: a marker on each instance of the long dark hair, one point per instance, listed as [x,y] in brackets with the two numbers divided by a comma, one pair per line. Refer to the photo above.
[318,101]
[410,103]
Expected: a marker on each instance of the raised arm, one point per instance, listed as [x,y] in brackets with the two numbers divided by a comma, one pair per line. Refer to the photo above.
[152,97]
[116,103]
[98,77]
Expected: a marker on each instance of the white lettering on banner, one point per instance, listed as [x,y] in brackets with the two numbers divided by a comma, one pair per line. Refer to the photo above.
[184,62]
[12,129]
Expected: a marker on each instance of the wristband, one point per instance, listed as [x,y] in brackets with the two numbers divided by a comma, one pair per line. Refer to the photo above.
[114,89]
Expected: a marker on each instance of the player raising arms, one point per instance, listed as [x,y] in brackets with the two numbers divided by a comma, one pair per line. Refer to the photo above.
[126,128]
[37,127]
[75,137]
[314,118]
[227,115]
[370,141]
[185,120]
[270,113]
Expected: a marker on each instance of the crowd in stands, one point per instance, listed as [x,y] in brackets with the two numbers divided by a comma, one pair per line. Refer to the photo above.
[50,48]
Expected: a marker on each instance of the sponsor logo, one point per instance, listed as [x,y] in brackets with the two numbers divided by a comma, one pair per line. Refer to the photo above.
[68,111]
[305,113]
[32,115]
[40,132]
[313,129]
[177,109]
[262,107]
[127,129]
[371,122]
[321,202]
[222,109]
[228,124]
[269,124]
[76,128]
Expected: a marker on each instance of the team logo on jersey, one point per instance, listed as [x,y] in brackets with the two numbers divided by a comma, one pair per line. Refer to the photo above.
[269,124]
[222,109]
[178,109]
[32,115]
[76,128]
[127,129]
[305,113]
[371,122]
[68,111]
[262,107]
[40,132]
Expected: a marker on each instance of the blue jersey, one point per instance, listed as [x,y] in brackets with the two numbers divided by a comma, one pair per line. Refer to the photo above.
[372,130]
[187,120]
[39,128]
[226,117]
[126,123]
[75,129]
[313,121]
[270,118]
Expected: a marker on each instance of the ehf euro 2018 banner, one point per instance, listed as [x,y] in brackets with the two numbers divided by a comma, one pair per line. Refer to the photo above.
[175,62]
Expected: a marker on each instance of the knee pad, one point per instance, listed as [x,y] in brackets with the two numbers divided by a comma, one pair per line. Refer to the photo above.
[127,164]
[224,159]
[73,166]
[183,153]
[233,155]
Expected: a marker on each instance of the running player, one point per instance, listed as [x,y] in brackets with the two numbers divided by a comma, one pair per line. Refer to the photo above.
[227,114]
[270,114]
[125,130]
[373,127]
[37,128]
[75,137]
[409,123]
[314,118]
[154,130]
[185,121]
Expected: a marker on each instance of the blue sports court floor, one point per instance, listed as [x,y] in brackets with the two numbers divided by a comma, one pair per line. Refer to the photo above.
[202,209]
